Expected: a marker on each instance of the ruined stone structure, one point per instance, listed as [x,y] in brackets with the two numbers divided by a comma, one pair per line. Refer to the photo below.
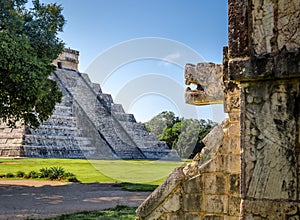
[249,168]
[86,124]
[264,57]
[207,188]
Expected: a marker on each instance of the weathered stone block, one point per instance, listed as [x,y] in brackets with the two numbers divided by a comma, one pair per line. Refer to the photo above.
[193,202]
[161,193]
[158,213]
[173,202]
[234,205]
[214,184]
[285,65]
[265,209]
[216,164]
[233,130]
[231,146]
[216,204]
[212,217]
[3,141]
[194,185]
[173,216]
[238,37]
[192,216]
[226,217]
[233,163]
[214,139]
[234,184]
[230,163]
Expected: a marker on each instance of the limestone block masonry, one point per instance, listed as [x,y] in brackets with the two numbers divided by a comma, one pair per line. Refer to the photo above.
[86,124]
[250,166]
[209,187]
[267,68]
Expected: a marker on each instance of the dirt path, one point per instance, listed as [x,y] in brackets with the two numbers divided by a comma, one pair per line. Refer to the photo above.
[39,199]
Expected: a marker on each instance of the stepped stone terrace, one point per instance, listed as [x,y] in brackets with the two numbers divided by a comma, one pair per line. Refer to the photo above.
[86,124]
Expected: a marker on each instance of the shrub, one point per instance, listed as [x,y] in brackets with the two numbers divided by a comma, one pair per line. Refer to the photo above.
[72,179]
[26,176]
[2,175]
[56,173]
[20,174]
[68,174]
[33,174]
[45,172]
[9,175]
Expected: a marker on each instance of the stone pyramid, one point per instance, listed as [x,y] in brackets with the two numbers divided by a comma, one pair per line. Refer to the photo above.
[86,124]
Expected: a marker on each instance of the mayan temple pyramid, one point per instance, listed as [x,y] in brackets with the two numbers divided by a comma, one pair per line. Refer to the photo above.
[86,124]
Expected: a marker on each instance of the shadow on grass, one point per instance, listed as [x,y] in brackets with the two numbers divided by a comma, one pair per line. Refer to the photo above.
[117,213]
[138,187]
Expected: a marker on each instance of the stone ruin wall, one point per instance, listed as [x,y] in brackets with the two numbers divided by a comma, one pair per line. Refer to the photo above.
[209,187]
[264,58]
[253,173]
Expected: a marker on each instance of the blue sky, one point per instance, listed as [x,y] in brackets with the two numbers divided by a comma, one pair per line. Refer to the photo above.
[97,27]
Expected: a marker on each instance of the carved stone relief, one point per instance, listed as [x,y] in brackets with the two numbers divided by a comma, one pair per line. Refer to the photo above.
[270,123]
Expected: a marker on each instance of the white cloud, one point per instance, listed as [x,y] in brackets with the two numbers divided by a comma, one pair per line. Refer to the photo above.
[172,57]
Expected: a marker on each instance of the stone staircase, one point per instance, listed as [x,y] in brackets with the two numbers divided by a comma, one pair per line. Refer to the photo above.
[11,140]
[86,124]
[58,137]
[128,138]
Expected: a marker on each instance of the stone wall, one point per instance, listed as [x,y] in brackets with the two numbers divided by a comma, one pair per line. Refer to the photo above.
[68,59]
[253,173]
[209,187]
[267,66]
[11,140]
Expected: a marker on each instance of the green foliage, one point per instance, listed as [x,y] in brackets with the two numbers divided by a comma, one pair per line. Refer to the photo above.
[158,123]
[28,45]
[20,174]
[70,177]
[33,174]
[183,135]
[118,213]
[52,173]
[56,173]
[9,175]
[45,172]
[103,171]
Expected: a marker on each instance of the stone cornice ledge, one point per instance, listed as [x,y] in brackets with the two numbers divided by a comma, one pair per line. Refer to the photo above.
[283,65]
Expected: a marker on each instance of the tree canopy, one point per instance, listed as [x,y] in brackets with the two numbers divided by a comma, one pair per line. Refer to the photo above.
[28,45]
[183,135]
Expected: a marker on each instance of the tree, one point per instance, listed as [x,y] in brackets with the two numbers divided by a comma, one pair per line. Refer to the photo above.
[188,138]
[170,134]
[28,45]
[183,135]
[158,123]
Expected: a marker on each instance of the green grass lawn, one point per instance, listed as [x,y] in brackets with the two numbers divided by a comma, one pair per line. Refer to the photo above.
[134,175]
[118,213]
[103,171]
